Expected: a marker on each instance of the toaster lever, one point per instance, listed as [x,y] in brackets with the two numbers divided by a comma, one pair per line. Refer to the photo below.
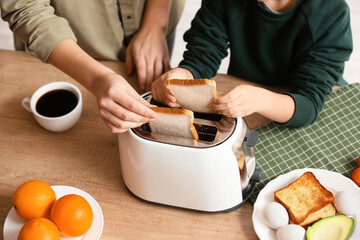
[256,175]
[252,138]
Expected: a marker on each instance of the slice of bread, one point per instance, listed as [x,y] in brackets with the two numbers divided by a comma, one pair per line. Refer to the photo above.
[193,94]
[175,140]
[303,197]
[174,122]
[327,211]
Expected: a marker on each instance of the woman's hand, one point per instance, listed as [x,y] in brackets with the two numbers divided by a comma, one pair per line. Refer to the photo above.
[120,106]
[159,90]
[148,53]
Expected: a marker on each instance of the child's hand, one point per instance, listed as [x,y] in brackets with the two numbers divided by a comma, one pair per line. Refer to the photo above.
[240,101]
[159,90]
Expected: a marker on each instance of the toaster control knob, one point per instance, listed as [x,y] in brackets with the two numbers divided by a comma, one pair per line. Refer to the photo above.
[256,177]
[252,138]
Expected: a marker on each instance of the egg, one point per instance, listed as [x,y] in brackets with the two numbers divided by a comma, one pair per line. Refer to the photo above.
[275,215]
[347,203]
[290,232]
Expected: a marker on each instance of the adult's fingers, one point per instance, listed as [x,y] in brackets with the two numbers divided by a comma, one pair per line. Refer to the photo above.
[141,71]
[112,128]
[115,129]
[166,63]
[117,122]
[123,114]
[134,105]
[158,68]
[129,62]
[149,73]
[138,98]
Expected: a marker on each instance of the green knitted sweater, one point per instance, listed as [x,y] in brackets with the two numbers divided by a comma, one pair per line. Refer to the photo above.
[304,47]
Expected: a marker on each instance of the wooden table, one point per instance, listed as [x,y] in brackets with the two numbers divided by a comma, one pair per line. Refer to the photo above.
[87,157]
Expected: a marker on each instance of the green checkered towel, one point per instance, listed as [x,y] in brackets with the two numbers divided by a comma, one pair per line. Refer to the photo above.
[332,142]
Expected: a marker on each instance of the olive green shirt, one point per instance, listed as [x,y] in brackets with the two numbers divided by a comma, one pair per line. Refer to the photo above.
[39,25]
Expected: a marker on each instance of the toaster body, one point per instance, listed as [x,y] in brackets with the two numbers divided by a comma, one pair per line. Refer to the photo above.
[200,176]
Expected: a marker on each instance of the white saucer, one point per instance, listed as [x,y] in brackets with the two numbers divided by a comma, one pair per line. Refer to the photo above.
[334,182]
[13,223]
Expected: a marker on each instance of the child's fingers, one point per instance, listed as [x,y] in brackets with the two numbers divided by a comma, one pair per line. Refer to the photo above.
[228,96]
[165,97]
[169,96]
[170,100]
[224,106]
[235,112]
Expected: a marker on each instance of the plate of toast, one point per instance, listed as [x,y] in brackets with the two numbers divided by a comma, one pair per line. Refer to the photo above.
[308,195]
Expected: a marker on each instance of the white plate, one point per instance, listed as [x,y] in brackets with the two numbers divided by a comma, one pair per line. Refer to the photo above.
[334,182]
[13,223]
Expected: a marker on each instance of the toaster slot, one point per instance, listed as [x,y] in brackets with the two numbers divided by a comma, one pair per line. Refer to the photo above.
[145,128]
[206,133]
[156,103]
[206,116]
[212,129]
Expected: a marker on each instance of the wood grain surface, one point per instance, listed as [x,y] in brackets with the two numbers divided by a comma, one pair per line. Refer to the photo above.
[87,157]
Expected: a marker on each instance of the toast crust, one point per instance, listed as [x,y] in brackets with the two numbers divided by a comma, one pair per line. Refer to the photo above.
[177,111]
[193,82]
[303,197]
[181,111]
[327,211]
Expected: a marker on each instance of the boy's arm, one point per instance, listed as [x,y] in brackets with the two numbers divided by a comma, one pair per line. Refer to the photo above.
[207,40]
[315,73]
[244,100]
[322,66]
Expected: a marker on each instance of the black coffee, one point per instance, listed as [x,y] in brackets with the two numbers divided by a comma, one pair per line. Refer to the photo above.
[56,103]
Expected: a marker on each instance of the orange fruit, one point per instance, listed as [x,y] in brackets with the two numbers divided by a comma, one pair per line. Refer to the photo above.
[355,176]
[358,161]
[39,229]
[72,214]
[33,199]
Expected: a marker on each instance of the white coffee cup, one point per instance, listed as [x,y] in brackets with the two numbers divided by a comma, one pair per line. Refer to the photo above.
[59,123]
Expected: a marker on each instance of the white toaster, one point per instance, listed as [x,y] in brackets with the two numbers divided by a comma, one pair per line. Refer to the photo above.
[200,175]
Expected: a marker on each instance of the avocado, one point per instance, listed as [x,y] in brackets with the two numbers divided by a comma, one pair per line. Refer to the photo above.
[337,227]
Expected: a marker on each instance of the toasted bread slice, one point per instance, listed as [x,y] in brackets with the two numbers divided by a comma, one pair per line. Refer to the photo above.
[303,197]
[174,122]
[327,211]
[193,94]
